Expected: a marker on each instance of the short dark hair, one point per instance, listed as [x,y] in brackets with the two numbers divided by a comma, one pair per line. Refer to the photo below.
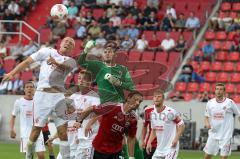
[131,94]
[29,82]
[159,91]
[87,74]
[220,84]
[112,44]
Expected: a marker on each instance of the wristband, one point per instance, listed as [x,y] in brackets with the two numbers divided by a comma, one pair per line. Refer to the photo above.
[131,157]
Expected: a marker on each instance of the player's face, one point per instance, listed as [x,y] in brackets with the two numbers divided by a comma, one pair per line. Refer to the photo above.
[158,99]
[108,54]
[67,45]
[135,101]
[83,81]
[219,91]
[29,89]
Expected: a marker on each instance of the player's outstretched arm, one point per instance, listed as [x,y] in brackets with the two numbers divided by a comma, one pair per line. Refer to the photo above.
[144,133]
[94,119]
[127,83]
[180,130]
[20,67]
[131,146]
[151,138]
[12,123]
[207,123]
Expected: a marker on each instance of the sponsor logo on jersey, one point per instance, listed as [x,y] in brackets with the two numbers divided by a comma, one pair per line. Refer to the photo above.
[117,128]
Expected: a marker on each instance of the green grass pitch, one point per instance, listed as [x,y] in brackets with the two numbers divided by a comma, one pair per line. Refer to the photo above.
[11,151]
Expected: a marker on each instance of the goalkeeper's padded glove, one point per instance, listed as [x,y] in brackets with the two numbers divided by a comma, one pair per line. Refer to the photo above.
[89,45]
[113,80]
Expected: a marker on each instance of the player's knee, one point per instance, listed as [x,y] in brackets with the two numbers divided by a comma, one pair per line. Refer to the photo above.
[207,156]
[35,133]
[40,155]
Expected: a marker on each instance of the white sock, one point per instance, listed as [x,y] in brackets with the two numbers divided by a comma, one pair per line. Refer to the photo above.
[64,149]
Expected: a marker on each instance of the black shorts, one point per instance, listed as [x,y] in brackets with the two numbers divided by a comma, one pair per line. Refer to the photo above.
[148,156]
[99,155]
[45,136]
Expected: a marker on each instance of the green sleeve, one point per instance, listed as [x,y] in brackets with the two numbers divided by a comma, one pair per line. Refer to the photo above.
[93,66]
[127,82]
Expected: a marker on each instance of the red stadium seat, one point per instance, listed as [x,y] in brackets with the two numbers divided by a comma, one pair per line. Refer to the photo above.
[161,57]
[134,56]
[216,66]
[221,56]
[230,88]
[201,44]
[226,6]
[97,13]
[180,86]
[235,77]
[222,77]
[236,7]
[205,65]
[233,15]
[228,66]
[194,64]
[45,33]
[210,77]
[192,87]
[26,76]
[233,56]
[226,46]
[9,64]
[78,48]
[193,6]
[148,35]
[71,33]
[213,86]
[187,96]
[209,35]
[230,35]
[238,67]
[147,56]
[238,89]
[236,98]
[198,53]
[204,87]
[221,35]
[217,45]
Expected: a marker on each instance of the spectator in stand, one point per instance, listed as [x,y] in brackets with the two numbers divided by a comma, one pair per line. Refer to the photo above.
[94,30]
[127,43]
[180,23]
[3,50]
[103,20]
[141,21]
[168,23]
[89,3]
[192,22]
[17,85]
[111,10]
[152,22]
[181,45]
[2,72]
[81,31]
[29,49]
[237,22]
[133,32]
[154,43]
[2,8]
[8,16]
[96,52]
[115,2]
[153,2]
[149,8]
[101,3]
[66,2]
[135,10]
[141,44]
[208,51]
[109,29]
[215,23]
[101,40]
[121,10]
[14,8]
[16,51]
[167,45]
[84,10]
[171,10]
[129,20]
[122,31]
[186,74]
[5,87]
[58,31]
[116,20]
[80,18]
[89,18]
[177,97]
[236,41]
[204,97]
[72,12]
[127,3]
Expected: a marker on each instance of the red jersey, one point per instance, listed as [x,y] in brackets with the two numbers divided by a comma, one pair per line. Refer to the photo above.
[114,124]
[147,123]
[45,128]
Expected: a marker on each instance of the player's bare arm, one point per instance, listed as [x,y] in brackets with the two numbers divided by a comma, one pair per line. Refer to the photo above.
[20,67]
[180,130]
[131,145]
[88,129]
[144,133]
[207,123]
[151,138]
[12,123]
[52,61]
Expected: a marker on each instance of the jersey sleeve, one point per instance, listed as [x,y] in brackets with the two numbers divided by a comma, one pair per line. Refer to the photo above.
[93,66]
[207,110]
[103,109]
[177,119]
[127,82]
[16,109]
[235,108]
[70,63]
[41,55]
[133,128]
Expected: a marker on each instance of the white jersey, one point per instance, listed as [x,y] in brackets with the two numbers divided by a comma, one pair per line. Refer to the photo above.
[50,75]
[221,118]
[24,108]
[165,124]
[82,102]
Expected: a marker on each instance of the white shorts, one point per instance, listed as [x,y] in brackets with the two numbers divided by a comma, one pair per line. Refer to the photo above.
[213,146]
[173,153]
[84,153]
[39,147]
[44,106]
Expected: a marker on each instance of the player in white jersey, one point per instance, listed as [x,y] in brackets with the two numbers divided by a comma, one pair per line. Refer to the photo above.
[55,66]
[220,122]
[24,108]
[167,126]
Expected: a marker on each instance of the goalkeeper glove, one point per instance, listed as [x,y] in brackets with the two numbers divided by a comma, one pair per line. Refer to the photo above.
[113,80]
[89,45]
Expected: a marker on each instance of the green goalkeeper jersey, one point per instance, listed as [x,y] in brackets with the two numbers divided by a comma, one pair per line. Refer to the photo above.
[107,91]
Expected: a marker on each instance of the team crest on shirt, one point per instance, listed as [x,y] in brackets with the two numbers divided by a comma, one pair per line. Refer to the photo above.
[119,117]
